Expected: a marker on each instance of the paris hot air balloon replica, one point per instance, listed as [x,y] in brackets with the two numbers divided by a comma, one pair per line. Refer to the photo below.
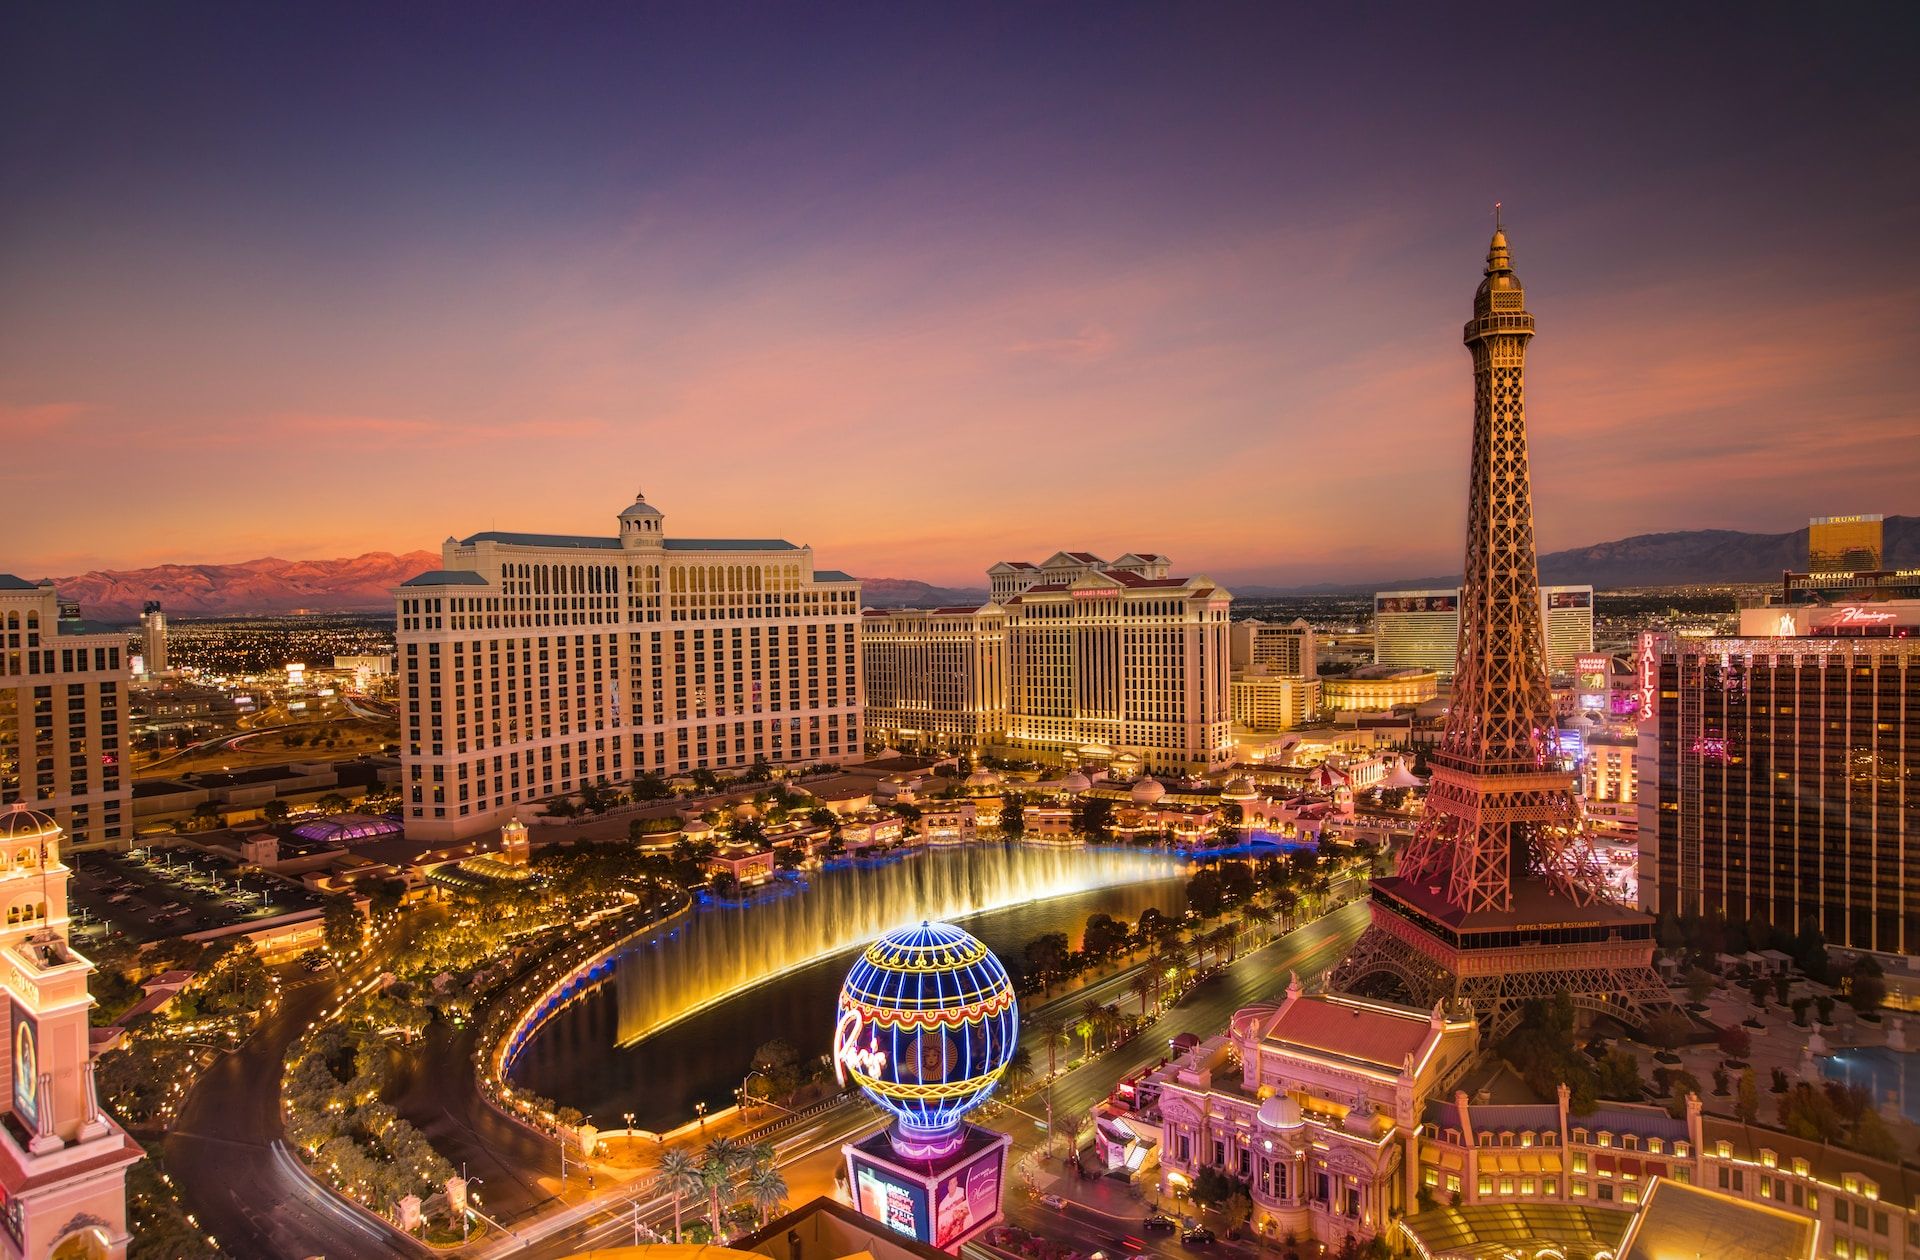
[928,1020]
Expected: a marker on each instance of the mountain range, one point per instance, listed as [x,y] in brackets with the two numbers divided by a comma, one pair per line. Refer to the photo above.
[365,583]
[1686,558]
[269,585]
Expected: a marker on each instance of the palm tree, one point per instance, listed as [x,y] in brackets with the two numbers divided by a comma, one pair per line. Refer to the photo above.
[1053,1033]
[1142,987]
[759,1155]
[766,1190]
[1093,1017]
[1019,1073]
[718,1162]
[1261,916]
[679,1175]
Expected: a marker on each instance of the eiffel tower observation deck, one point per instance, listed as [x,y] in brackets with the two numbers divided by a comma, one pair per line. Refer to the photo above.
[1499,897]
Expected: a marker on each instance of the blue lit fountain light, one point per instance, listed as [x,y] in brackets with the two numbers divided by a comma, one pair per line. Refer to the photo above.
[928,1022]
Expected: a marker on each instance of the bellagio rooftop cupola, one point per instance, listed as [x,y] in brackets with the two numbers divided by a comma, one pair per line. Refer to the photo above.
[642,525]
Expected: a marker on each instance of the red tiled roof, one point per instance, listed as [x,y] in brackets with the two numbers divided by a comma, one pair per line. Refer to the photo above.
[1366,1032]
[1134,580]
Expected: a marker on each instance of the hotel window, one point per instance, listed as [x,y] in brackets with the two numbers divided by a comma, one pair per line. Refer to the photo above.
[1579,1189]
[1486,1184]
[1550,1187]
[1579,1161]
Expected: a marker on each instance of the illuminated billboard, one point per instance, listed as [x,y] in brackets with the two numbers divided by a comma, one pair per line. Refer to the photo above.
[943,1205]
[1416,603]
[26,1068]
[1569,599]
[968,1198]
[881,1194]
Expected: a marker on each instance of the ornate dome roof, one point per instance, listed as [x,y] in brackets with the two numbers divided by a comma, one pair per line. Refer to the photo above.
[983,778]
[1239,787]
[640,508]
[1148,791]
[21,823]
[1075,782]
[1279,1112]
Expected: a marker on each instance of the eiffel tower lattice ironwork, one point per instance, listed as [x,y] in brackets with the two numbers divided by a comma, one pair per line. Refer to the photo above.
[1500,896]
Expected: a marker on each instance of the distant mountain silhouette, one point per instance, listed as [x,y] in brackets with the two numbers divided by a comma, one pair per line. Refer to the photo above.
[908,593]
[1689,557]
[364,583]
[269,585]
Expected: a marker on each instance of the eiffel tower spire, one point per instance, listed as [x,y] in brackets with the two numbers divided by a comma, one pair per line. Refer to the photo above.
[1499,895]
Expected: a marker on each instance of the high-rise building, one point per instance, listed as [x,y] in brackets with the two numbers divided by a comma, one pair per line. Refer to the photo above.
[1421,629]
[1075,659]
[63,1160]
[536,664]
[153,637]
[935,679]
[1417,629]
[62,693]
[1566,613]
[1839,544]
[1500,898]
[1266,701]
[1110,658]
[1786,772]
[1284,648]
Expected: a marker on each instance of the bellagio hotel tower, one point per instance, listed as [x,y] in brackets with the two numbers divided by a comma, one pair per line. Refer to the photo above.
[536,664]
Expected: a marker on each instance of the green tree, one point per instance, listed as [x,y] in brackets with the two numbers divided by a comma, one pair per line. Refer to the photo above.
[1013,823]
[766,1190]
[679,1176]
[1019,1073]
[274,811]
[1141,986]
[1746,1103]
[1204,895]
[1093,818]
[342,925]
[721,1158]
[1053,1035]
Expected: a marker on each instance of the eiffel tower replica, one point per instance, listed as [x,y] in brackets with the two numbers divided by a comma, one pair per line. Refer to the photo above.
[1500,897]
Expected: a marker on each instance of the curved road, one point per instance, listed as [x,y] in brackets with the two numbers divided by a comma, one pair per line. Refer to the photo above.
[228,1156]
[230,1160]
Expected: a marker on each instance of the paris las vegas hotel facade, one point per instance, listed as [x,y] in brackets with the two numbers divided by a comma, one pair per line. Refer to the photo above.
[537,664]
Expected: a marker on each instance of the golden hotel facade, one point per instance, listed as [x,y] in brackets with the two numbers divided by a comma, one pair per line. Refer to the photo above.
[1075,660]
[532,665]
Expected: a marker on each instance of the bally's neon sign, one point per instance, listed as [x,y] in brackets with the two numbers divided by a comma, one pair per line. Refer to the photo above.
[849,1055]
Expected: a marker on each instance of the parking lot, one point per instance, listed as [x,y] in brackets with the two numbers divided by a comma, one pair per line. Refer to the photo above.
[152,894]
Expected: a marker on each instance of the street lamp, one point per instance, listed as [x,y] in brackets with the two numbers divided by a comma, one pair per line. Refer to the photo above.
[700,1110]
[628,1117]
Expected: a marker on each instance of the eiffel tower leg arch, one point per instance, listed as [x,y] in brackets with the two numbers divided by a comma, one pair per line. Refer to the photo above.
[1383,966]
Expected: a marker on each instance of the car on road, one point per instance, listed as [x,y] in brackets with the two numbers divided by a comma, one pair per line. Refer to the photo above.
[1160,1223]
[1054,1201]
[1197,1236]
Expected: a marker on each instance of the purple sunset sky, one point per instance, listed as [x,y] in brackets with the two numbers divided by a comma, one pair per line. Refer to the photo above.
[929,286]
